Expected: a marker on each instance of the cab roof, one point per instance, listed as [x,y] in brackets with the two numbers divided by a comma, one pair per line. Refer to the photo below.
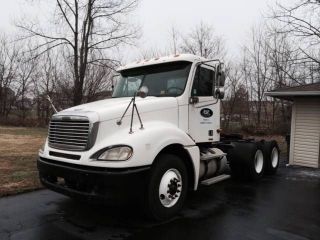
[165,59]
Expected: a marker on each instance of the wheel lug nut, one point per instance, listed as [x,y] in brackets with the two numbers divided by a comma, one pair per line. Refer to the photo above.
[162,196]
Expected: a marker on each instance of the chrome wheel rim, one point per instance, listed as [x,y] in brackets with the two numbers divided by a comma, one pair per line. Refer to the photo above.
[170,188]
[274,157]
[258,161]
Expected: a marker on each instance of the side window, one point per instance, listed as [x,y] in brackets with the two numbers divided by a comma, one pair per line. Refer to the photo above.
[203,82]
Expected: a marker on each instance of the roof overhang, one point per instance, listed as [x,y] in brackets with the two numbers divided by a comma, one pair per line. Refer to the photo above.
[289,95]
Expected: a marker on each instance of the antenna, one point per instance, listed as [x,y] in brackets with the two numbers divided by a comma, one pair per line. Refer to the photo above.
[51,103]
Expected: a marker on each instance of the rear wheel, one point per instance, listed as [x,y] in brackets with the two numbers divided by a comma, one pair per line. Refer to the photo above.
[167,187]
[271,154]
[246,160]
[256,165]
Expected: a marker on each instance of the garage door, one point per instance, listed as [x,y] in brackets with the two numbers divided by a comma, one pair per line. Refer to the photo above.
[306,132]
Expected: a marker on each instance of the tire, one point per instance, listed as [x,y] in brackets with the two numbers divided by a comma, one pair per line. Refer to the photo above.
[271,154]
[164,201]
[246,160]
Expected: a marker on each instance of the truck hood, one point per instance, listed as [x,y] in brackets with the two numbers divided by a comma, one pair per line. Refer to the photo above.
[113,108]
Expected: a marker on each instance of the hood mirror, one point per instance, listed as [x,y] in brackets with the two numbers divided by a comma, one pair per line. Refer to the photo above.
[143,92]
[219,93]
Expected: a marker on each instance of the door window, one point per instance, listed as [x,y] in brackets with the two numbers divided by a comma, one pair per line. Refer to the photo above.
[203,82]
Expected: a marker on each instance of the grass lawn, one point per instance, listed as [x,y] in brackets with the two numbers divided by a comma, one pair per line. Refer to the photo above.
[18,151]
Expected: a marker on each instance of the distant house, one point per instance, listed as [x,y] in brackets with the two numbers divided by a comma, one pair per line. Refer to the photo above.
[305,123]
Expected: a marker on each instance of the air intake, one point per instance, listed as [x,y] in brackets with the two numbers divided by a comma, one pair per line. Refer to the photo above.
[69,133]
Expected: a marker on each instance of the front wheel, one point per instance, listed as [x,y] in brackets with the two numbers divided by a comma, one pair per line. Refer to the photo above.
[167,187]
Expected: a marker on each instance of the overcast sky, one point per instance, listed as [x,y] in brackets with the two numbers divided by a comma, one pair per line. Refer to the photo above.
[230,18]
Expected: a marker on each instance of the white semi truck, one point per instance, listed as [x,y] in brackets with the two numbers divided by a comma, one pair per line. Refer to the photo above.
[157,138]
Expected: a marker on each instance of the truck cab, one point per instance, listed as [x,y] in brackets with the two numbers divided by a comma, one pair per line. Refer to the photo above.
[157,138]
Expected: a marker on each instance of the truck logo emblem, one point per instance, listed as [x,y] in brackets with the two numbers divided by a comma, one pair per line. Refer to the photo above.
[206,112]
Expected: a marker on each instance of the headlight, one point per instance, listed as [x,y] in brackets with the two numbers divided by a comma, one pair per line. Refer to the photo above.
[120,153]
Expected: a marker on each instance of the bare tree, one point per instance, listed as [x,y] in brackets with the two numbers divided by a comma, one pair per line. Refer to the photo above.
[236,96]
[301,22]
[175,39]
[154,53]
[256,69]
[45,84]
[83,28]
[8,65]
[270,60]
[286,68]
[203,41]
[99,83]
[24,81]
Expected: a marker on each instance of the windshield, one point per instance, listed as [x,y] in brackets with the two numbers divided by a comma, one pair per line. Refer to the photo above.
[168,79]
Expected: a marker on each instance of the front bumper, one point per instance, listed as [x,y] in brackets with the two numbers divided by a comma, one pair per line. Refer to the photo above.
[92,183]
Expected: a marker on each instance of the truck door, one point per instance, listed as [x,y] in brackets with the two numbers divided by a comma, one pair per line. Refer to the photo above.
[204,112]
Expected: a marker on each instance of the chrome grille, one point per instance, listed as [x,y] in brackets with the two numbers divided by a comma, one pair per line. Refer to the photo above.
[69,132]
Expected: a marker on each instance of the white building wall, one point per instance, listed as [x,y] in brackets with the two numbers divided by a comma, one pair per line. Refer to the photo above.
[305,132]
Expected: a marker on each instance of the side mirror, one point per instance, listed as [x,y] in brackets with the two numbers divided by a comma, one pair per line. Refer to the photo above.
[222,79]
[114,80]
[220,76]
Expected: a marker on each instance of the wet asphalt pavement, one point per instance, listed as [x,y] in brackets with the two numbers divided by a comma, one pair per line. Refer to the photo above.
[284,207]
